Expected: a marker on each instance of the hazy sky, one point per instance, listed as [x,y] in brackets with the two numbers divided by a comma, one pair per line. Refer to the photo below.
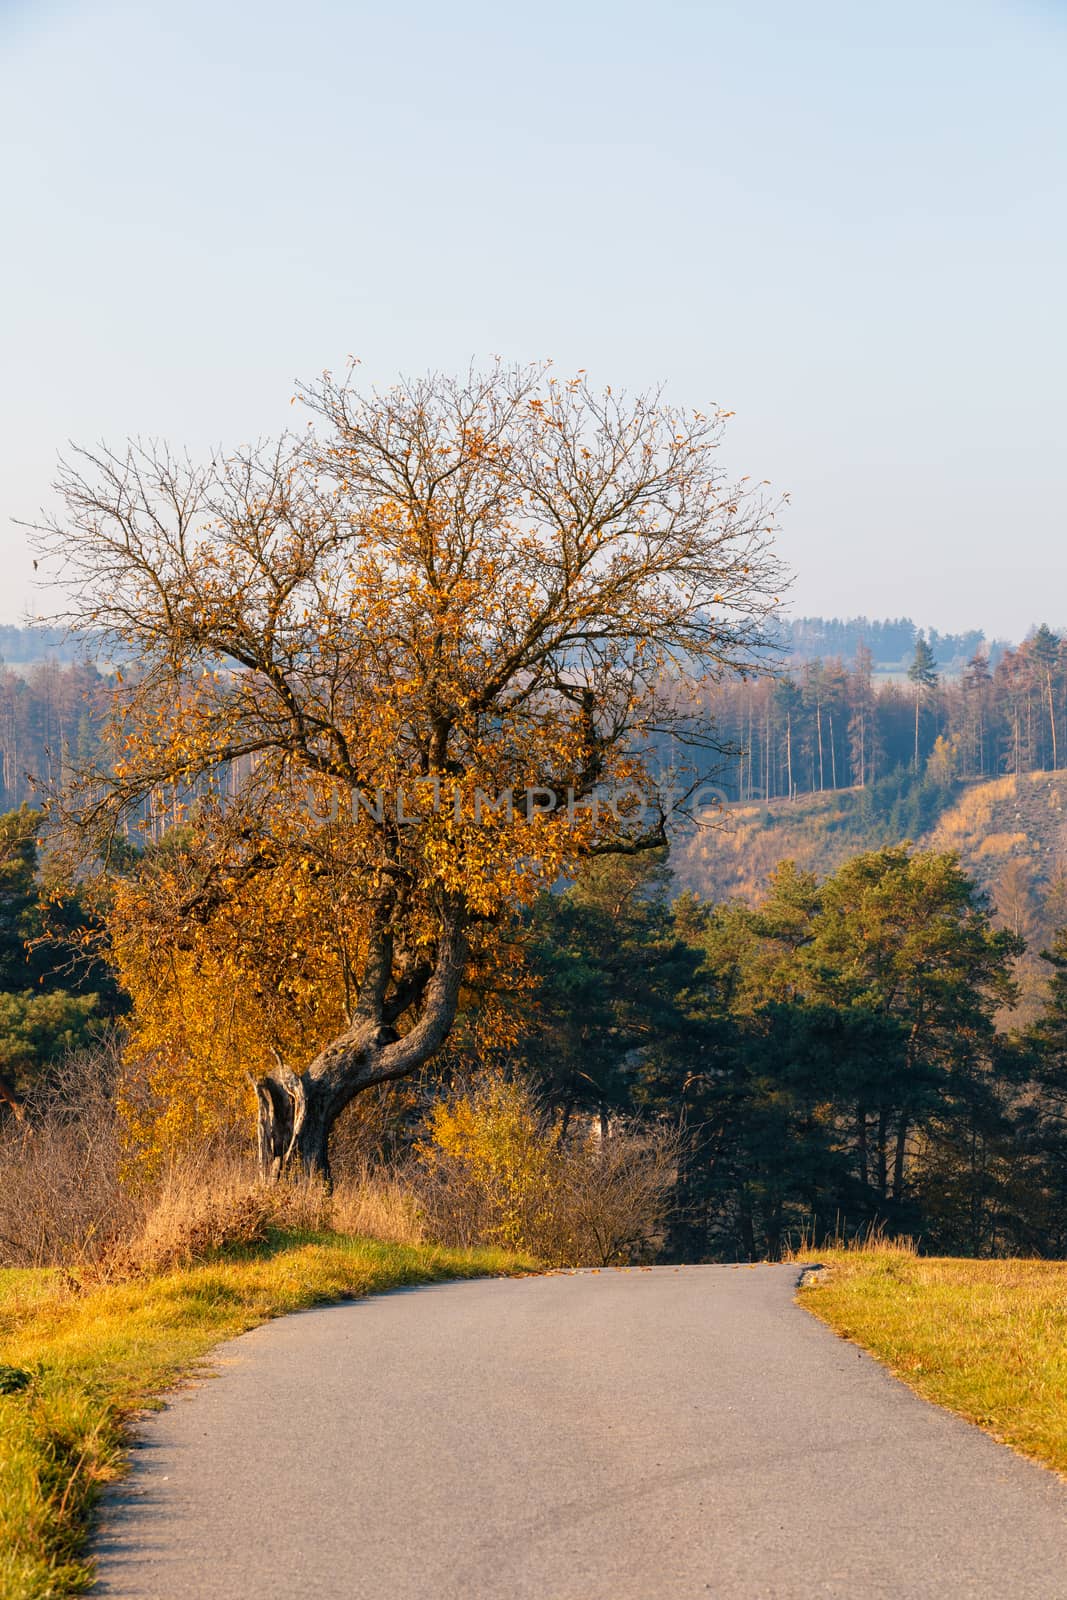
[845,222]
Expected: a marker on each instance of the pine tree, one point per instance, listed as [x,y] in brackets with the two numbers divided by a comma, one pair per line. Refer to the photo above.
[1045,652]
[976,683]
[923,674]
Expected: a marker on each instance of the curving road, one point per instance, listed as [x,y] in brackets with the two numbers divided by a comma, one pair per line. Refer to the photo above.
[638,1435]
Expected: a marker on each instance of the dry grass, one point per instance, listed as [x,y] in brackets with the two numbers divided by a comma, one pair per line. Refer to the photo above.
[71,1196]
[988,1339]
[197,1211]
[192,1213]
[61,1199]
[1000,844]
[969,817]
[869,1241]
[377,1204]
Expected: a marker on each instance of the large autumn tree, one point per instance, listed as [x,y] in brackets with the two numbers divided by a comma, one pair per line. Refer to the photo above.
[379,674]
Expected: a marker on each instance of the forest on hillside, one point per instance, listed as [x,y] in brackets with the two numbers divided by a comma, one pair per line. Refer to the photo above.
[891,642]
[830,725]
[50,719]
[810,725]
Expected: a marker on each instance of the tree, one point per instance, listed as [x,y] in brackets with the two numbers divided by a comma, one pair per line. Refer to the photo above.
[1045,652]
[906,937]
[975,697]
[789,702]
[861,725]
[812,693]
[18,895]
[841,1032]
[923,674]
[51,999]
[1014,897]
[1042,1117]
[37,1031]
[389,675]
[608,972]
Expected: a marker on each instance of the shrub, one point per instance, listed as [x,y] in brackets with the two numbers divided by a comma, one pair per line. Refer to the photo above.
[494,1170]
[61,1198]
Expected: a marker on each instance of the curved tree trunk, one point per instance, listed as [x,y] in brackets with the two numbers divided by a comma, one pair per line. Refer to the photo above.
[293,1128]
[296,1112]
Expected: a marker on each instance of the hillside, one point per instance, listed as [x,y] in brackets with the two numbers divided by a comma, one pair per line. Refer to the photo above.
[1011,833]
[733,855]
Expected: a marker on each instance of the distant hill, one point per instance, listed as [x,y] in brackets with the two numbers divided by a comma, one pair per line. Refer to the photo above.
[891,642]
[1010,833]
[24,646]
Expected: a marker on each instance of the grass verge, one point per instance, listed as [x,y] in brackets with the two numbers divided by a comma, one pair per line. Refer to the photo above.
[988,1339]
[75,1364]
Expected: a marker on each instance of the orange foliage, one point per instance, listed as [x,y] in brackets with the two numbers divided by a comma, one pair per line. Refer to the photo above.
[381,674]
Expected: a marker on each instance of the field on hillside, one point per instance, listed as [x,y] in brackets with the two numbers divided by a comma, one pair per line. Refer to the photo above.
[733,857]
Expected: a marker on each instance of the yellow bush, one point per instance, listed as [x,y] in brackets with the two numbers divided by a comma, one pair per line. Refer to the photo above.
[497,1147]
[495,1170]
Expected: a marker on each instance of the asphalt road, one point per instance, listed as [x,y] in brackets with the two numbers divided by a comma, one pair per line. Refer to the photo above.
[640,1435]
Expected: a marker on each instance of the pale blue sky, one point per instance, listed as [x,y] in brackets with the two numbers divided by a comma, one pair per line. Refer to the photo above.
[845,222]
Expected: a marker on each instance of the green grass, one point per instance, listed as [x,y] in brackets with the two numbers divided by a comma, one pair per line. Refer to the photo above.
[95,1357]
[987,1339]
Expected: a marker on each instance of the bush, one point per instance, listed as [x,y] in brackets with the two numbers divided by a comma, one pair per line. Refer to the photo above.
[61,1198]
[494,1170]
[489,1169]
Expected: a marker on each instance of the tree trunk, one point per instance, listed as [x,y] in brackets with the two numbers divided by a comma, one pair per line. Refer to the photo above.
[880,1152]
[748,1232]
[294,1127]
[296,1112]
[898,1156]
[1052,720]
[863,749]
[861,1144]
[774,1233]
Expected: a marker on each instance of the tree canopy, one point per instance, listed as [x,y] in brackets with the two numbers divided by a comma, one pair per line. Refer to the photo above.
[831,1055]
[393,675]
